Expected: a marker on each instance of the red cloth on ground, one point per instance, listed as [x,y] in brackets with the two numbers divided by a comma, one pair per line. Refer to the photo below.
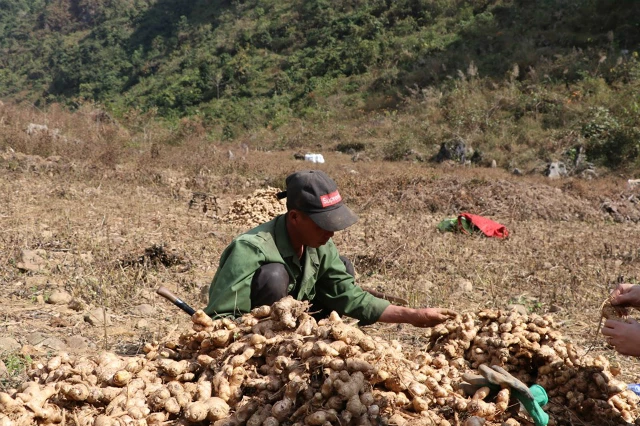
[487,226]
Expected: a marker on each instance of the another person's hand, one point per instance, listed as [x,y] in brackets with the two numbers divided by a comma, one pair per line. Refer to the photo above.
[428,317]
[626,295]
[623,336]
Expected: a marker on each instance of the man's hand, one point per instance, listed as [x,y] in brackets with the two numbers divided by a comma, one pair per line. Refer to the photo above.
[428,317]
[623,336]
[626,295]
[423,317]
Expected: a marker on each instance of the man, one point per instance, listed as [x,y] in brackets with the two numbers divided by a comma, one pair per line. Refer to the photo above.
[624,336]
[293,254]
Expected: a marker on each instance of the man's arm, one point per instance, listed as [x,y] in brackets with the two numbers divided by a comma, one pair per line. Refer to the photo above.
[336,289]
[422,317]
[348,299]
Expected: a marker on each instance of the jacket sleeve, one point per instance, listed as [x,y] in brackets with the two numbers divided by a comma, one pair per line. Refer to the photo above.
[230,290]
[336,289]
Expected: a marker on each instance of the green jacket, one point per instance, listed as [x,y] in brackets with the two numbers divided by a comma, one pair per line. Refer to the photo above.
[320,276]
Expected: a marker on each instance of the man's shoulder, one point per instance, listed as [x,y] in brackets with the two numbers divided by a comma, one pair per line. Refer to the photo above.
[257,238]
[328,250]
[261,234]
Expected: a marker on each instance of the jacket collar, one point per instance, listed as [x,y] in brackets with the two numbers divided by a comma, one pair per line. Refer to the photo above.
[282,237]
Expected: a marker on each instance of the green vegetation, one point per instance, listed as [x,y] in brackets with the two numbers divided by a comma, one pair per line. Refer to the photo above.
[520,80]
[16,366]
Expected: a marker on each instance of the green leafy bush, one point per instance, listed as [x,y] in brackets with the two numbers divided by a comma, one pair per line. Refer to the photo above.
[610,141]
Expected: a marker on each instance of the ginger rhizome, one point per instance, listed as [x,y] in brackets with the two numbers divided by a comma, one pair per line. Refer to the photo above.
[279,366]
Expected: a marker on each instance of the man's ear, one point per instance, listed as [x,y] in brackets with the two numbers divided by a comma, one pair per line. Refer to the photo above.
[294,216]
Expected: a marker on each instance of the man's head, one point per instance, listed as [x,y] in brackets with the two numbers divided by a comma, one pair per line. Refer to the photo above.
[315,194]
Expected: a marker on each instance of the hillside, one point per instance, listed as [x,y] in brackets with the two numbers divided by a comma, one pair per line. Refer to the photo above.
[519,81]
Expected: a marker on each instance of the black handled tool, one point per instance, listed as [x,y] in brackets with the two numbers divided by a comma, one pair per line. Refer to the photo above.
[166,293]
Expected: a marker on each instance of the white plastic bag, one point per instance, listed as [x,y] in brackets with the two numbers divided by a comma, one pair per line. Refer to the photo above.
[314,158]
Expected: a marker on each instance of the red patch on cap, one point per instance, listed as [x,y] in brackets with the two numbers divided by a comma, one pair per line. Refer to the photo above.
[330,199]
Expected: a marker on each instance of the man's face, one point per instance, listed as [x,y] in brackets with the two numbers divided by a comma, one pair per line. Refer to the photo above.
[308,233]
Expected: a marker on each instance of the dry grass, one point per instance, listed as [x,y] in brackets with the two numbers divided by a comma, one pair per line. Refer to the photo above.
[109,196]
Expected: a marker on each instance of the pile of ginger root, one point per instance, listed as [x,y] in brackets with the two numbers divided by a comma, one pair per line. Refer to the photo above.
[259,207]
[279,366]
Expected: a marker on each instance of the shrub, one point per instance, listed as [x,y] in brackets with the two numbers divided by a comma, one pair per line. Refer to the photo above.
[610,141]
[350,146]
[397,150]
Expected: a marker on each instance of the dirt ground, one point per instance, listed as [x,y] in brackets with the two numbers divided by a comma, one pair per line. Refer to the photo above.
[80,240]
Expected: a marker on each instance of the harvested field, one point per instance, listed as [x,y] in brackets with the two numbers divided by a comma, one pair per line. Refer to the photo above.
[85,245]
